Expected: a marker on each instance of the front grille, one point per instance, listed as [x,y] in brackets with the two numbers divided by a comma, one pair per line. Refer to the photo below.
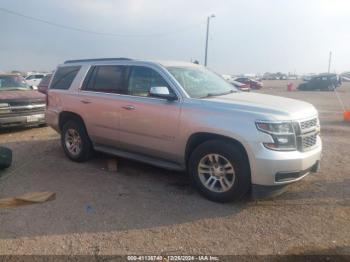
[309,141]
[308,124]
[26,103]
[23,107]
[307,134]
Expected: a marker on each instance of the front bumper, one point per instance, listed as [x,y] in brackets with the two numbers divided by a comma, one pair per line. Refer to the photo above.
[264,191]
[22,120]
[268,166]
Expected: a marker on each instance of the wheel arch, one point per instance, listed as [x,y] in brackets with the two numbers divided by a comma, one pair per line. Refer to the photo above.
[65,116]
[198,138]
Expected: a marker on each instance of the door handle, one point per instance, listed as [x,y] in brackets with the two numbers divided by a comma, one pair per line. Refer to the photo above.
[85,101]
[129,107]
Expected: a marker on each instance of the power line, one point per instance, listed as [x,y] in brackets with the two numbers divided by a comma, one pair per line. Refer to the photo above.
[67,27]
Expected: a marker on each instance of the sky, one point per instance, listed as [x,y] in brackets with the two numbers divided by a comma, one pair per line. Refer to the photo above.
[246,36]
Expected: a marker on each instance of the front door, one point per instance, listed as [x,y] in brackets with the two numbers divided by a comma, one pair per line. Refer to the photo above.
[148,125]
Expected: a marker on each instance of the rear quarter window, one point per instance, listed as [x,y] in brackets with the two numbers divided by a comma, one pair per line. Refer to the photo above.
[64,77]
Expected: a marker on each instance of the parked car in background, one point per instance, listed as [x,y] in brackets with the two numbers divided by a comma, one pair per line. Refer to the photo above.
[236,84]
[325,82]
[240,86]
[345,79]
[182,116]
[253,84]
[345,76]
[227,77]
[34,80]
[292,77]
[44,84]
[19,104]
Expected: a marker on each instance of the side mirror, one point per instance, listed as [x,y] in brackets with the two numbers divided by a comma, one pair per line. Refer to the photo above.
[162,92]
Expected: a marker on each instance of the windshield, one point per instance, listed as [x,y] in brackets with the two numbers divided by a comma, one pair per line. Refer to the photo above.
[12,83]
[199,82]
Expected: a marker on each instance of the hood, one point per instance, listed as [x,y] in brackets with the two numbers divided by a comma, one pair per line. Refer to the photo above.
[20,95]
[279,108]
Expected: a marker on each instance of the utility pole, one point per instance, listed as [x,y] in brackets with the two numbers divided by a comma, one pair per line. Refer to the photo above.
[206,40]
[329,62]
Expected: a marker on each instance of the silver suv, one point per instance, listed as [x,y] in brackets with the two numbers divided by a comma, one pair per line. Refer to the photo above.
[182,116]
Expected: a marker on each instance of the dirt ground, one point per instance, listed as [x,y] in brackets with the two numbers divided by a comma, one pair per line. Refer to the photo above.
[147,210]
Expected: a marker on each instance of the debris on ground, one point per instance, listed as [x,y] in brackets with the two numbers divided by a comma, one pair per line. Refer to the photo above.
[112,165]
[27,199]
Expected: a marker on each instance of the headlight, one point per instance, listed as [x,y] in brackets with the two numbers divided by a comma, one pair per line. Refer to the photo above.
[282,133]
[4,108]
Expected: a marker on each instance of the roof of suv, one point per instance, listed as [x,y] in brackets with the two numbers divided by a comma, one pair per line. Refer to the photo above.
[163,63]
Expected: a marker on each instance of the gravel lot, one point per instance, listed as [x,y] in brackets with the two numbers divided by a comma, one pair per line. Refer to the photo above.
[147,210]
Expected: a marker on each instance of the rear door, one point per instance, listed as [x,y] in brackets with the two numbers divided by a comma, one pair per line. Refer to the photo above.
[99,102]
[314,83]
[325,83]
[148,125]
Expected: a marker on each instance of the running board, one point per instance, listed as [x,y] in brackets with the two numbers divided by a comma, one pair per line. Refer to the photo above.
[141,158]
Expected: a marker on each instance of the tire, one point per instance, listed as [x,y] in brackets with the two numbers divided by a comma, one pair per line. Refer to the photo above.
[5,157]
[232,154]
[75,130]
[302,87]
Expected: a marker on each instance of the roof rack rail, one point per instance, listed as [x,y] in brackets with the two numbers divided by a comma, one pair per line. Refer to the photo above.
[95,60]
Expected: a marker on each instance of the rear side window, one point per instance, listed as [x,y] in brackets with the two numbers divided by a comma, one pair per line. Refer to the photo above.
[64,77]
[109,79]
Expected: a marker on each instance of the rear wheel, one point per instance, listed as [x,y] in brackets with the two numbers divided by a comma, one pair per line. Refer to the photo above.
[331,87]
[220,170]
[75,141]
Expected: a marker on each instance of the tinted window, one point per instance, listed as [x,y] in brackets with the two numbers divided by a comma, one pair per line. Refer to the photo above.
[110,79]
[142,79]
[64,77]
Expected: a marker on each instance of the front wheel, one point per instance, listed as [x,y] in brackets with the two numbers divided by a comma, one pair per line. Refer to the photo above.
[220,170]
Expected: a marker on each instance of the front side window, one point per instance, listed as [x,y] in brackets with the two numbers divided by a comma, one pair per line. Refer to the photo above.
[64,77]
[199,82]
[109,79]
[142,79]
